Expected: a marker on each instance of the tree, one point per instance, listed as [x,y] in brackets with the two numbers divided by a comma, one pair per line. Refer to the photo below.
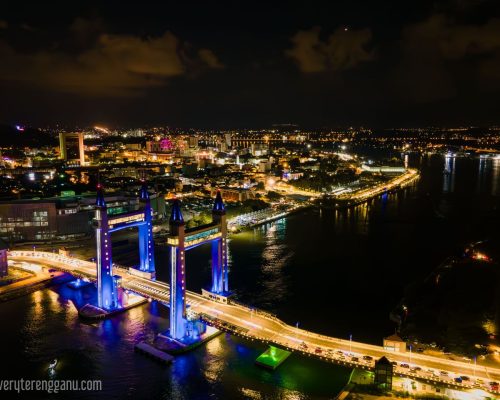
[273,196]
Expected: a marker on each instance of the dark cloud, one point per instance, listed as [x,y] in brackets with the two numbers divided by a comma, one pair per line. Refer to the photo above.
[422,74]
[439,55]
[114,65]
[344,49]
[209,58]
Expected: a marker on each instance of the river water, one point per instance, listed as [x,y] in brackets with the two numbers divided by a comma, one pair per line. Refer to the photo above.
[335,272]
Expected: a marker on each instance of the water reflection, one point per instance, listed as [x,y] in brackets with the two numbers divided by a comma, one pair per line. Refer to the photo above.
[495,176]
[449,174]
[353,219]
[481,177]
[275,257]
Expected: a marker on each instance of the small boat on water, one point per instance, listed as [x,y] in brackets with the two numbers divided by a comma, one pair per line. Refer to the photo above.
[52,365]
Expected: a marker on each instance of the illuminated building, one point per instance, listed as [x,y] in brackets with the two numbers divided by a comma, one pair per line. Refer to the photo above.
[234,194]
[71,148]
[383,373]
[227,139]
[193,141]
[259,149]
[63,218]
[383,169]
[394,343]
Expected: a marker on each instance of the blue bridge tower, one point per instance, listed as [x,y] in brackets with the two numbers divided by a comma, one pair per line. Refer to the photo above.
[107,295]
[105,223]
[177,273]
[146,244]
[181,240]
[219,249]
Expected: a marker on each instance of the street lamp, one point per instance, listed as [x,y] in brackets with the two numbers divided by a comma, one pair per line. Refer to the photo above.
[350,343]
[410,353]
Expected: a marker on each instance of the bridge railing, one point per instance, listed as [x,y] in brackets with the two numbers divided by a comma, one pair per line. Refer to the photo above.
[253,309]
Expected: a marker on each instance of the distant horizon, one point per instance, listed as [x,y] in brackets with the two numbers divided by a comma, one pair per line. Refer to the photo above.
[255,128]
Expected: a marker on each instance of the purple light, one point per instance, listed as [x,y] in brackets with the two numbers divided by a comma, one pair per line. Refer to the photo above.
[20,128]
[166,144]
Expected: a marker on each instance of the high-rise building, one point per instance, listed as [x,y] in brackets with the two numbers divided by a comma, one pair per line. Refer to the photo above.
[193,141]
[71,148]
[227,137]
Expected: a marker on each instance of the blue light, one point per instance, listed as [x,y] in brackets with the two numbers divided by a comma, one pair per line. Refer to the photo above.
[176,215]
[100,202]
[218,204]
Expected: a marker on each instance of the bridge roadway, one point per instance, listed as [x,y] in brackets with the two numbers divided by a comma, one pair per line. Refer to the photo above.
[262,326]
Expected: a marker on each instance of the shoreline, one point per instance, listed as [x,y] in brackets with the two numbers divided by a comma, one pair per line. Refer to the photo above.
[317,202]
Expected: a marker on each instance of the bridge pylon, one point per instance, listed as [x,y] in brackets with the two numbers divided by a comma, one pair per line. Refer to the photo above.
[105,223]
[220,284]
[107,291]
[146,243]
[183,325]
[177,273]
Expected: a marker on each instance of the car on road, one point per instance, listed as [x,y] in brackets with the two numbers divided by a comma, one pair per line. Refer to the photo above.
[404,365]
[318,350]
[340,352]
[443,373]
[419,350]
[494,386]
[465,378]
[458,379]
[354,359]
[367,358]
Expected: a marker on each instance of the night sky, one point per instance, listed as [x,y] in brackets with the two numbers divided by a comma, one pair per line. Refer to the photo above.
[250,64]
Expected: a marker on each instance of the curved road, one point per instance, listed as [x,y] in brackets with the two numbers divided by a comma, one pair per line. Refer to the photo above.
[259,325]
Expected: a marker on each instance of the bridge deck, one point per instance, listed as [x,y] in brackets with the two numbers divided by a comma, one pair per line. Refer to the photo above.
[257,325]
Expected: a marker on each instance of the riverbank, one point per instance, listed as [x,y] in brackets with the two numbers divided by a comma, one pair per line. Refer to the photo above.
[453,309]
[33,284]
[361,196]
[267,219]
